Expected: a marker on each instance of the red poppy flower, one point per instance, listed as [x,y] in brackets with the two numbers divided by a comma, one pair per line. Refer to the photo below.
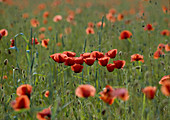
[57,18]
[41,6]
[121,93]
[45,43]
[12,43]
[165,32]
[165,9]
[106,95]
[149,92]
[166,88]
[137,57]
[50,28]
[42,29]
[77,68]
[45,21]
[119,64]
[1,36]
[97,54]
[110,17]
[158,54]
[99,24]
[89,30]
[44,114]
[69,53]
[35,41]
[112,53]
[167,47]
[46,93]
[46,14]
[112,11]
[89,61]
[70,18]
[59,57]
[110,67]
[149,27]
[85,91]
[25,15]
[103,61]
[85,55]
[78,60]
[34,22]
[21,102]
[120,17]
[165,78]
[24,90]
[161,46]
[90,24]
[125,34]
[5,77]
[3,32]
[69,61]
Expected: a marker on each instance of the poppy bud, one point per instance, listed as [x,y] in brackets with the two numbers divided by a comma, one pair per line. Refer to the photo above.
[5,61]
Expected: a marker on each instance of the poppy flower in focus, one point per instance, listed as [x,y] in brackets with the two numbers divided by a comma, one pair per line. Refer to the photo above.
[46,93]
[119,64]
[121,93]
[158,54]
[161,46]
[137,57]
[57,18]
[45,42]
[89,61]
[25,89]
[77,68]
[167,47]
[12,43]
[69,61]
[35,41]
[21,102]
[125,34]
[78,60]
[166,88]
[3,32]
[112,53]
[69,53]
[44,114]
[46,14]
[110,67]
[165,32]
[34,22]
[90,24]
[59,57]
[85,91]
[149,92]
[149,27]
[97,54]
[85,55]
[106,95]
[120,17]
[164,79]
[103,61]
[99,24]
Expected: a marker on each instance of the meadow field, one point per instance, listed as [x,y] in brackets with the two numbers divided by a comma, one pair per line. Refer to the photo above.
[84,59]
